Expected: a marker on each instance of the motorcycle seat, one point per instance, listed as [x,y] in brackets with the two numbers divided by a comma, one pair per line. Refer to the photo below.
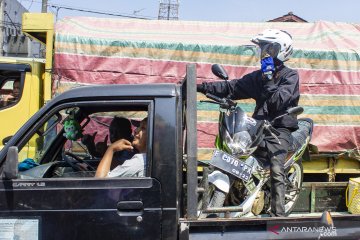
[299,136]
[298,139]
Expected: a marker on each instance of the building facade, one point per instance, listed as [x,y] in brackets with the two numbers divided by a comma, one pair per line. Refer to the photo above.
[13,42]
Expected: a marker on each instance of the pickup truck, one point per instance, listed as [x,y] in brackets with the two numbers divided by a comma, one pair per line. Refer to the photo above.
[56,199]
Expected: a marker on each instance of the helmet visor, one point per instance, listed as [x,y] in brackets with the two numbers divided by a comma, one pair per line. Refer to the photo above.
[268,49]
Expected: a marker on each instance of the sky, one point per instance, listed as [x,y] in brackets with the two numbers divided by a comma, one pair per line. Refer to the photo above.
[211,10]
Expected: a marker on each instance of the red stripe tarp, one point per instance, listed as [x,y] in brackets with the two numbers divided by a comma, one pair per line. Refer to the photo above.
[326,55]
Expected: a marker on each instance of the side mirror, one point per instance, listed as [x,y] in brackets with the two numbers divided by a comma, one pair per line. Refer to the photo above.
[295,110]
[6,140]
[219,71]
[10,167]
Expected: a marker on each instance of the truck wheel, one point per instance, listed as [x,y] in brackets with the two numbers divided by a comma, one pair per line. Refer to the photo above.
[293,184]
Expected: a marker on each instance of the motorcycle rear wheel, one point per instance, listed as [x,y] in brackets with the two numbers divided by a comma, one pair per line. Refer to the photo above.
[293,186]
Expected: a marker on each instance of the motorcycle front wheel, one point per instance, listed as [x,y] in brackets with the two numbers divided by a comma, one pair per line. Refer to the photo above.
[294,180]
[215,199]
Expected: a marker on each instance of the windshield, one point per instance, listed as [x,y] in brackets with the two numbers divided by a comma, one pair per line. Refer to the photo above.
[237,131]
[237,121]
[44,136]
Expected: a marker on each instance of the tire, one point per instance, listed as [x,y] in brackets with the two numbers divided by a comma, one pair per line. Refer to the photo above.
[201,201]
[216,200]
[294,180]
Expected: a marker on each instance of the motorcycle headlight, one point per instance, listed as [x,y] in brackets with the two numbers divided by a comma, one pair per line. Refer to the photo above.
[241,142]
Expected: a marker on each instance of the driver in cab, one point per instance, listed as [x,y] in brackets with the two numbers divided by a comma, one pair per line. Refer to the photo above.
[133,167]
[12,97]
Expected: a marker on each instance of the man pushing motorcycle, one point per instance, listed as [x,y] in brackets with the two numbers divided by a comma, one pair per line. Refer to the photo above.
[275,88]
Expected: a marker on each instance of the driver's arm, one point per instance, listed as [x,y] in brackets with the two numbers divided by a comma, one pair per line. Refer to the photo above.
[6,99]
[105,163]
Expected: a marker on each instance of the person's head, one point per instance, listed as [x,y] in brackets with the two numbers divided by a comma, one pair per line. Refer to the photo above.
[16,89]
[275,43]
[140,137]
[120,128]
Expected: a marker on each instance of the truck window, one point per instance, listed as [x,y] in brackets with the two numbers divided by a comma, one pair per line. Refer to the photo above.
[10,90]
[72,143]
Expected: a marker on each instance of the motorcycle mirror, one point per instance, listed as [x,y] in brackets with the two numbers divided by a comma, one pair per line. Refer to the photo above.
[295,110]
[219,71]
[291,111]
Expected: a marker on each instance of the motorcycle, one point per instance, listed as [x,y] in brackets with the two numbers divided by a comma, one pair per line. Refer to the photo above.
[243,178]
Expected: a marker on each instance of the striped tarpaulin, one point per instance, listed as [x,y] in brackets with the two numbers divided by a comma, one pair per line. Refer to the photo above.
[109,51]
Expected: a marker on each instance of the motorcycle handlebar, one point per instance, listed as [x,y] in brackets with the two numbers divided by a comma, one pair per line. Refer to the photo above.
[276,132]
[213,97]
[271,129]
[224,102]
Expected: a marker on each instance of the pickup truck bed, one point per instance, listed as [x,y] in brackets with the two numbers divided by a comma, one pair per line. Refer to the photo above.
[293,227]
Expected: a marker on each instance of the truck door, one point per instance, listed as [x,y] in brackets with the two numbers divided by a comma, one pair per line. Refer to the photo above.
[56,195]
[19,96]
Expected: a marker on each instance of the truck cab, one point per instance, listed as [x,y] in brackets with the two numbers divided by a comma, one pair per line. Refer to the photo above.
[57,193]
[25,74]
[31,78]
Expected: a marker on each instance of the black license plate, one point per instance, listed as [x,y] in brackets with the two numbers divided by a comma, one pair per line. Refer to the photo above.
[231,165]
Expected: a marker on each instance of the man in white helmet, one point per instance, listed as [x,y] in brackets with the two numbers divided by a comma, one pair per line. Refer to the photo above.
[275,89]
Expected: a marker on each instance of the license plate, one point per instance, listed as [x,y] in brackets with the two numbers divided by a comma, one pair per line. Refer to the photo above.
[231,165]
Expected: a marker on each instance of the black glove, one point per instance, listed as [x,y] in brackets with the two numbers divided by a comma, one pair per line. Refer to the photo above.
[200,88]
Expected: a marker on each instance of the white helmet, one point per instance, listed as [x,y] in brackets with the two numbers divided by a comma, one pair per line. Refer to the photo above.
[281,43]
